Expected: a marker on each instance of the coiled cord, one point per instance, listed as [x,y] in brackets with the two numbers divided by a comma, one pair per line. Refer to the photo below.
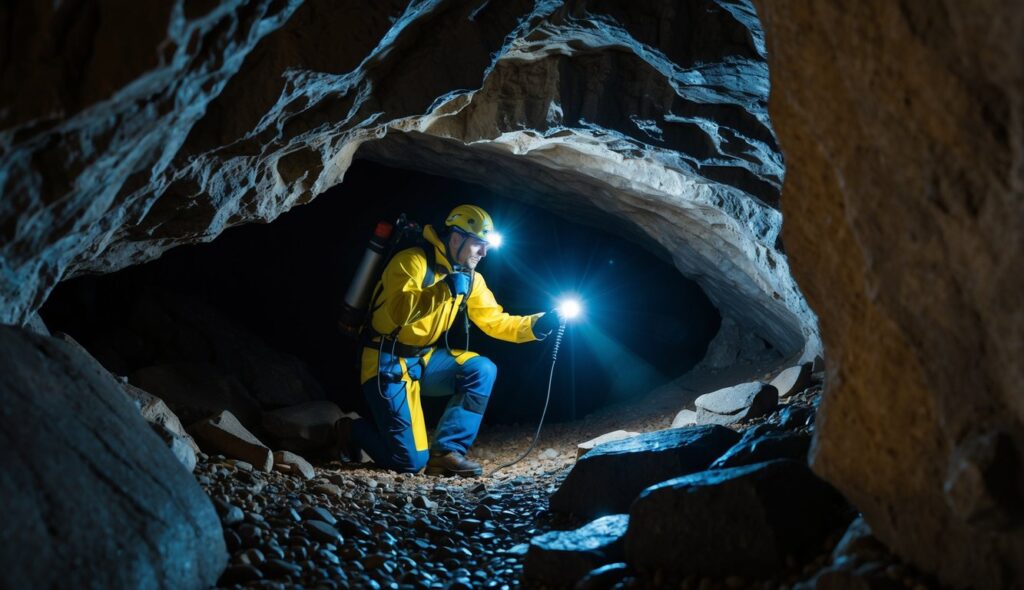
[547,399]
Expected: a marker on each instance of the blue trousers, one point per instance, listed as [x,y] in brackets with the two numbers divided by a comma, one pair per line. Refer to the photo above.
[395,438]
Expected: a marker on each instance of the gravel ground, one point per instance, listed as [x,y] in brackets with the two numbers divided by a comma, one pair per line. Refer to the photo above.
[359,527]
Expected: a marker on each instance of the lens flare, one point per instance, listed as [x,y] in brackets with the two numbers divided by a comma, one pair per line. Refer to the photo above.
[494,239]
[570,308]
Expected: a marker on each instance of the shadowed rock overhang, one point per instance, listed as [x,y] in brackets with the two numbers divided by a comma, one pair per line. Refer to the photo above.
[651,123]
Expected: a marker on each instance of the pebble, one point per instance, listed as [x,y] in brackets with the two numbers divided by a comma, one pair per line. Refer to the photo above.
[322,531]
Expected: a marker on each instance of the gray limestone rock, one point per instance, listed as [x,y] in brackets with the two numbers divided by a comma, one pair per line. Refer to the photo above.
[792,380]
[607,479]
[223,433]
[684,418]
[296,462]
[183,449]
[739,521]
[156,412]
[563,557]
[736,403]
[92,498]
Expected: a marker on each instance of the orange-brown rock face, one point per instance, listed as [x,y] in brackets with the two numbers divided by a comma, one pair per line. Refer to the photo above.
[903,129]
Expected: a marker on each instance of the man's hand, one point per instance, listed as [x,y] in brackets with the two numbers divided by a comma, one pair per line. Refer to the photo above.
[547,323]
[458,283]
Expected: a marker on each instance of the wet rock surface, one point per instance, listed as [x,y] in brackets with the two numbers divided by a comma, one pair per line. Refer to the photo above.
[563,557]
[608,478]
[766,442]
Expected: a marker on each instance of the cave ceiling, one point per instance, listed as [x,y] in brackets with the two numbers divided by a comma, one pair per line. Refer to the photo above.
[649,120]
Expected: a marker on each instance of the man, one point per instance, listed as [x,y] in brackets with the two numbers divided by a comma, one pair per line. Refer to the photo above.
[406,353]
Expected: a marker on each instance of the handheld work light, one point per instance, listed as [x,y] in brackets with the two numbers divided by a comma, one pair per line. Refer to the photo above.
[570,308]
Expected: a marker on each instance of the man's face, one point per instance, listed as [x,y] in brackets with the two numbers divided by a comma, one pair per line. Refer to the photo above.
[470,254]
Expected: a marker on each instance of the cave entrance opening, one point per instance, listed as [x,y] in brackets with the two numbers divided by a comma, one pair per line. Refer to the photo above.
[282,283]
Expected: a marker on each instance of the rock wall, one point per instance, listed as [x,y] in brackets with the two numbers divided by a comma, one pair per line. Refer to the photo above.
[901,122]
[648,118]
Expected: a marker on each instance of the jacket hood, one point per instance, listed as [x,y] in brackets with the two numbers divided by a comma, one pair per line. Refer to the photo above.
[430,235]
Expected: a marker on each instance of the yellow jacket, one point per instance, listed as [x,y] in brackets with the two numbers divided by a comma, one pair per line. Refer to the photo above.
[423,314]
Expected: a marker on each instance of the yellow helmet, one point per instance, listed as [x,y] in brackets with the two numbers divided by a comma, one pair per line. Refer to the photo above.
[472,220]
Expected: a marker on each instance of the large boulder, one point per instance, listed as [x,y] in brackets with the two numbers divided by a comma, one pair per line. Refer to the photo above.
[742,521]
[607,479]
[92,498]
[900,121]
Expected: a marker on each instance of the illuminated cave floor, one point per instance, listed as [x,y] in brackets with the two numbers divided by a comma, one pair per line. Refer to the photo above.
[387,530]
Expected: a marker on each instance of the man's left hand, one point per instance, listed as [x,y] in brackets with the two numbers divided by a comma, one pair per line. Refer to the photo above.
[547,323]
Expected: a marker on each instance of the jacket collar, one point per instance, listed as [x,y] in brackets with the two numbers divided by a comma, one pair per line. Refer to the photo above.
[430,235]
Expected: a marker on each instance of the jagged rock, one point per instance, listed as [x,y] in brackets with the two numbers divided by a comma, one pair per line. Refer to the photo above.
[736,404]
[223,433]
[608,478]
[792,380]
[155,411]
[794,417]
[684,418]
[563,557]
[739,521]
[765,443]
[585,447]
[914,293]
[91,496]
[197,390]
[181,447]
[512,104]
[304,427]
[294,461]
[164,422]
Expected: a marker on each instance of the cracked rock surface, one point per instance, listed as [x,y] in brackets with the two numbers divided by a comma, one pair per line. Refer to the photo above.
[649,119]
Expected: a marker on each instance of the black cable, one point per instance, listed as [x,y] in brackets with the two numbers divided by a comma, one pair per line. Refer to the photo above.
[547,399]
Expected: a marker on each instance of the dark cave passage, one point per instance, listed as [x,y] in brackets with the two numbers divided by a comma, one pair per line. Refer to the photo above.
[283,283]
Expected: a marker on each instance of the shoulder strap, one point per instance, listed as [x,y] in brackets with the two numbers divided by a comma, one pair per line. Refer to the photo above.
[431,256]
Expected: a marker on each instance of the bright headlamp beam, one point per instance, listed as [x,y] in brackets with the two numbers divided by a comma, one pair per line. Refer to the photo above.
[494,240]
[569,308]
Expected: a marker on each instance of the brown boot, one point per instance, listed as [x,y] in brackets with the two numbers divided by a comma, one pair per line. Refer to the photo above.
[452,463]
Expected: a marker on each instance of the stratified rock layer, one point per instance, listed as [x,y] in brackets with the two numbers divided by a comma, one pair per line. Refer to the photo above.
[901,122]
[647,118]
[92,497]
